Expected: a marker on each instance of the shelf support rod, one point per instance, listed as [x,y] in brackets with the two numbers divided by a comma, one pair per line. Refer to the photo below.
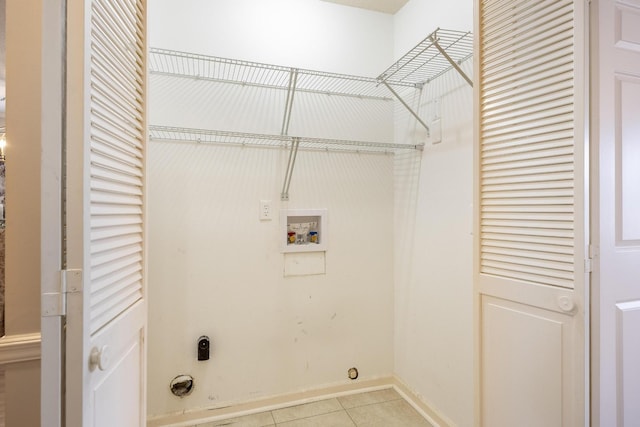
[291,90]
[293,152]
[453,63]
[407,106]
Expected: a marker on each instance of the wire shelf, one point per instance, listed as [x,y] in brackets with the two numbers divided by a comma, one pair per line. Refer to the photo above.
[198,66]
[207,136]
[425,61]
[436,54]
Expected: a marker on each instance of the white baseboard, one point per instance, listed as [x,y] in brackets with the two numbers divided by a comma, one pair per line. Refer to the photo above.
[19,348]
[428,411]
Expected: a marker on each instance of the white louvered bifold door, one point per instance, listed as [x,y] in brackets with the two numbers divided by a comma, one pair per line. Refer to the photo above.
[105,212]
[530,211]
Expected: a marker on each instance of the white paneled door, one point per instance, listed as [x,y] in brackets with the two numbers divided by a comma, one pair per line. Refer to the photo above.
[616,226]
[104,213]
[530,287]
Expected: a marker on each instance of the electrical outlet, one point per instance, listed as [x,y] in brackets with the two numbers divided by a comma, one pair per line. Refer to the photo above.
[266,210]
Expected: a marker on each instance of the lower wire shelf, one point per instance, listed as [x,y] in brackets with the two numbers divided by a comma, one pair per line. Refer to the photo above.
[208,136]
[292,143]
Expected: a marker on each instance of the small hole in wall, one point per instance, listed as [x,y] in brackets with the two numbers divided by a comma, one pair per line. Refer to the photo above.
[182,385]
[352,373]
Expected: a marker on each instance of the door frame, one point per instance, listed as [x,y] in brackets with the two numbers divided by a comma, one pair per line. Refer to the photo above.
[52,181]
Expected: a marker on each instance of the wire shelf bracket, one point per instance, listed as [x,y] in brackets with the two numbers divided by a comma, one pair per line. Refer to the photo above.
[293,153]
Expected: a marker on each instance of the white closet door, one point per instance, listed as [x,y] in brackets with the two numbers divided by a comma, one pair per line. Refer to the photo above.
[106,306]
[616,226]
[530,280]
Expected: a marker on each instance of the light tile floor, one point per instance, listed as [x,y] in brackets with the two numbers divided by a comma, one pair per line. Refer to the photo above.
[383,408]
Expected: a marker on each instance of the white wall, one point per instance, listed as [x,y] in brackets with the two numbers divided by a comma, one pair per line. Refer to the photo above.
[22,316]
[215,269]
[433,221]
[418,18]
[300,33]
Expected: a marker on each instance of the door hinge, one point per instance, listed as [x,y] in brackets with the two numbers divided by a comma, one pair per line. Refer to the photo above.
[55,303]
[588,262]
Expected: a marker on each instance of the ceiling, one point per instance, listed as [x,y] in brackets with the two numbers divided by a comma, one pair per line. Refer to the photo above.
[385,6]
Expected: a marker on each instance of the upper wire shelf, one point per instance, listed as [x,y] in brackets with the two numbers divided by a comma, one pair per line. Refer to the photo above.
[213,68]
[178,134]
[436,54]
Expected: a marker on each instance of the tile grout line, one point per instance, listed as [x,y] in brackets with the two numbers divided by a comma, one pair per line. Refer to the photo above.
[347,412]
[273,419]
[306,418]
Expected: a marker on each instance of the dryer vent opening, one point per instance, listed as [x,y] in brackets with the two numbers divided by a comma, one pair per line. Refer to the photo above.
[182,385]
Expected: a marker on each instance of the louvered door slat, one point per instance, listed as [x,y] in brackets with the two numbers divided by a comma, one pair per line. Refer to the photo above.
[505,161]
[532,148]
[532,184]
[515,92]
[104,258]
[110,145]
[545,214]
[531,72]
[528,163]
[115,242]
[113,220]
[528,72]
[516,55]
[500,228]
[522,111]
[522,105]
[528,31]
[122,97]
[110,308]
[106,262]
[535,94]
[555,241]
[116,167]
[531,172]
[558,132]
[116,188]
[549,31]
[119,282]
[112,168]
[527,246]
[548,118]
[492,10]
[106,92]
[536,276]
[530,261]
[117,117]
[527,208]
[511,17]
[120,34]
